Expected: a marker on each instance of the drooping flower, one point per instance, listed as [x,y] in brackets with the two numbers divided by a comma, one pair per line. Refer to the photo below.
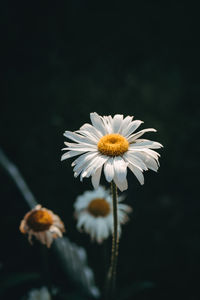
[94,213]
[43,224]
[112,143]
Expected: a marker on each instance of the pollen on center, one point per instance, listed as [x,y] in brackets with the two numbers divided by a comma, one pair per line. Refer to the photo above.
[40,220]
[113,144]
[99,207]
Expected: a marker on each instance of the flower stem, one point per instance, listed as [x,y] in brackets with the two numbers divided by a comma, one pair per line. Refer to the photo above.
[111,279]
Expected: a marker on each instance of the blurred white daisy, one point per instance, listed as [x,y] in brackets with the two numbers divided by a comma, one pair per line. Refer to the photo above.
[39,294]
[94,213]
[43,224]
[112,143]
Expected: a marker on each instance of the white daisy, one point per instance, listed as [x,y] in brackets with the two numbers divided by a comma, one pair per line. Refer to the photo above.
[94,213]
[43,224]
[112,143]
[39,294]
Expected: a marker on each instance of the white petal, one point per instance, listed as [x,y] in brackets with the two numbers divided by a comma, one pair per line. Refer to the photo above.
[97,123]
[135,136]
[122,185]
[96,178]
[100,230]
[134,160]
[117,122]
[77,146]
[70,154]
[107,121]
[151,162]
[82,219]
[148,151]
[131,161]
[78,138]
[95,164]
[89,129]
[89,223]
[91,227]
[82,149]
[146,143]
[125,207]
[131,127]
[137,173]
[84,168]
[120,168]
[84,158]
[109,170]
[125,124]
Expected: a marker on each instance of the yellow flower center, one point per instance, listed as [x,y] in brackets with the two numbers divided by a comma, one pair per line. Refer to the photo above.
[113,144]
[99,207]
[40,220]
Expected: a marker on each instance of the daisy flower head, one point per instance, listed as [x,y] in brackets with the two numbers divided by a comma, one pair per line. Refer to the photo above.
[39,294]
[94,213]
[43,224]
[111,143]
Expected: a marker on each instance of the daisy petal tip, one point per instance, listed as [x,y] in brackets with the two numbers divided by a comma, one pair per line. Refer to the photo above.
[93,114]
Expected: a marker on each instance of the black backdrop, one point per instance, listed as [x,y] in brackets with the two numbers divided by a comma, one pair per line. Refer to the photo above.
[60,62]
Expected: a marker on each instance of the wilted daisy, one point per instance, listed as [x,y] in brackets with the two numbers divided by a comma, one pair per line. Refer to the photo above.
[112,143]
[43,224]
[94,213]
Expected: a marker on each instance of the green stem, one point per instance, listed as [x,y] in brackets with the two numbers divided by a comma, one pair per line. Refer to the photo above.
[111,279]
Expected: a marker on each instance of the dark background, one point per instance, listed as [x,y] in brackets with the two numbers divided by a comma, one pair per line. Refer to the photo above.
[60,62]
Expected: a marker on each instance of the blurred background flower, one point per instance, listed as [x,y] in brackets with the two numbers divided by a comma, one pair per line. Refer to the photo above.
[94,213]
[39,294]
[43,224]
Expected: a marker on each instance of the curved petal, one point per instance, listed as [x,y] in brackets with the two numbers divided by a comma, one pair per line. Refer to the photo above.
[122,185]
[117,122]
[125,124]
[109,169]
[138,173]
[149,161]
[107,121]
[131,127]
[135,136]
[70,154]
[78,138]
[147,144]
[132,162]
[81,160]
[132,158]
[93,166]
[97,122]
[120,168]
[96,178]
[81,145]
[88,128]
